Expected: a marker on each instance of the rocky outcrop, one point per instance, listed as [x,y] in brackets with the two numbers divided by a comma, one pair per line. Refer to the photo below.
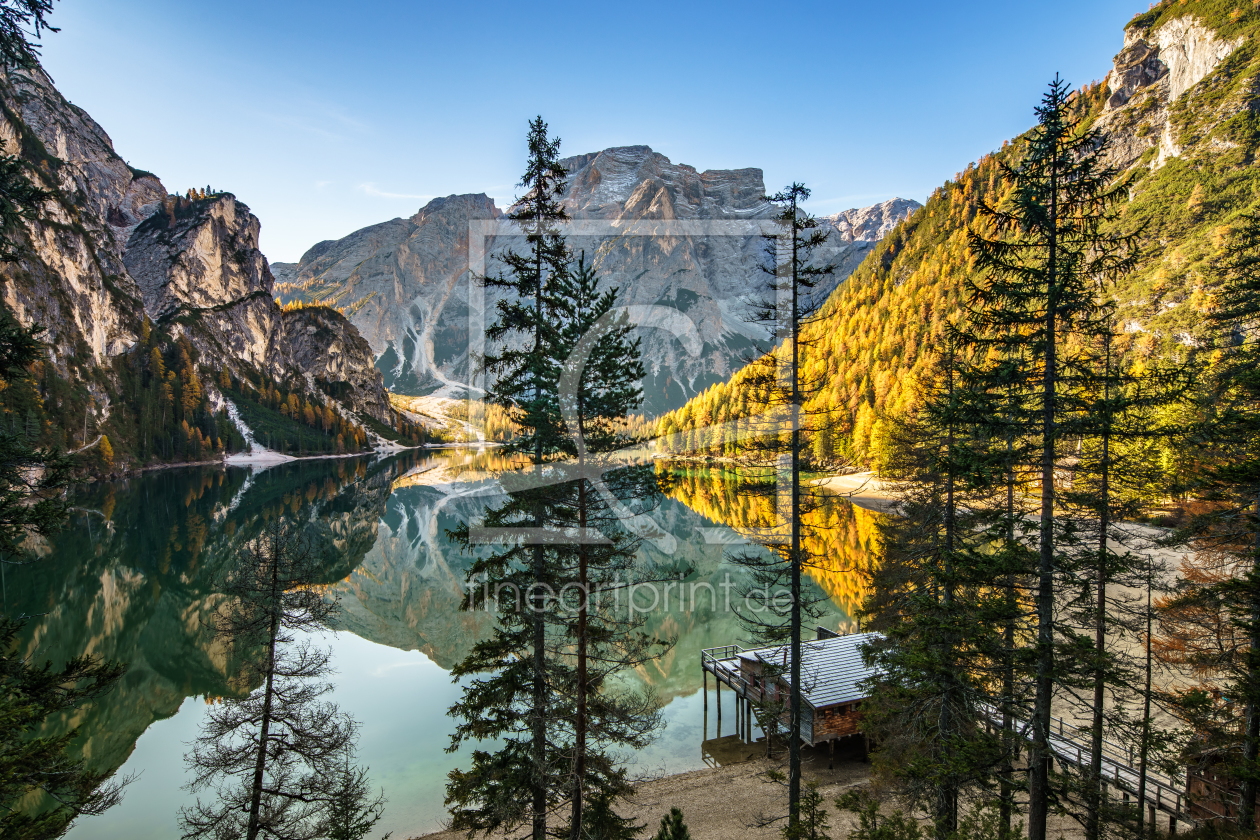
[198,259]
[1191,51]
[201,258]
[1151,72]
[322,344]
[666,235]
[1137,66]
[113,246]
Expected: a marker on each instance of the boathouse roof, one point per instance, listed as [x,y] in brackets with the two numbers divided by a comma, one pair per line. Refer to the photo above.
[832,669]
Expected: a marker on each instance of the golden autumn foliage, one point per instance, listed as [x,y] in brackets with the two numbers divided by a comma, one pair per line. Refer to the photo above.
[840,537]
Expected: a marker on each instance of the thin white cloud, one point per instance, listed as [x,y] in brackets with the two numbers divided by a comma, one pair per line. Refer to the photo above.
[302,124]
[382,670]
[319,185]
[370,188]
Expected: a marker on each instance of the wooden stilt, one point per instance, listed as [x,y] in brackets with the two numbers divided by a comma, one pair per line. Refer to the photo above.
[1150,811]
[718,686]
[748,720]
[1172,826]
[705,671]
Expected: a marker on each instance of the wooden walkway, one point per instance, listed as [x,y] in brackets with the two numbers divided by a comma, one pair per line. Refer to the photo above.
[1069,745]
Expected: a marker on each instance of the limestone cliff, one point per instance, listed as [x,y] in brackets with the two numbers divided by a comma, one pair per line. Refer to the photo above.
[1157,65]
[112,246]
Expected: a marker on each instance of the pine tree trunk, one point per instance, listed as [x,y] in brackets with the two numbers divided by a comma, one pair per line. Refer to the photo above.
[1094,812]
[579,733]
[1006,800]
[1006,793]
[1251,740]
[539,723]
[947,792]
[794,749]
[1144,746]
[260,763]
[1039,752]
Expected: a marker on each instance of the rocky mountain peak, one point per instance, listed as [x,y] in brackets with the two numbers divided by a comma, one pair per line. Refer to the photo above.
[468,206]
[405,283]
[871,223]
[638,181]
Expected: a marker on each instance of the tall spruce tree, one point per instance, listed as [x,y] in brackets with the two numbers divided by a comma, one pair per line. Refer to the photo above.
[775,445]
[599,387]
[1114,479]
[1036,290]
[935,599]
[511,699]
[1000,515]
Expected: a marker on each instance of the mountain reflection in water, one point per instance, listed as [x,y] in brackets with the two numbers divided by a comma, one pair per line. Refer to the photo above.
[132,579]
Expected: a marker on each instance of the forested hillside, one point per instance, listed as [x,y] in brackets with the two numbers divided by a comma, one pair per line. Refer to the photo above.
[1180,107]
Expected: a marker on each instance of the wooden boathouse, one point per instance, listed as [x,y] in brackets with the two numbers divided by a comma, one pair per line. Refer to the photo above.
[832,677]
[833,690]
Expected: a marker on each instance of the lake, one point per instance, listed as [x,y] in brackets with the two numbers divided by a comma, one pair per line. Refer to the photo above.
[133,579]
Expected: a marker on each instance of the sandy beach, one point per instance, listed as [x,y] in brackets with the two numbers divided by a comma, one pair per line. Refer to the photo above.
[730,801]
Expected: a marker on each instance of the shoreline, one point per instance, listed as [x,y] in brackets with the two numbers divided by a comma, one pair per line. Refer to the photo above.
[247,459]
[727,801]
[734,799]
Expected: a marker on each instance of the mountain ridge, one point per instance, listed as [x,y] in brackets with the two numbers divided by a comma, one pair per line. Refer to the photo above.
[405,283]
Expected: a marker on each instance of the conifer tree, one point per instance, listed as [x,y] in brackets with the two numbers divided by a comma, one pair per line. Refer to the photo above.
[934,599]
[1036,290]
[777,443]
[512,700]
[599,387]
[1113,481]
[351,810]
[31,763]
[276,758]
[1215,615]
[673,827]
[32,478]
[997,509]
[21,23]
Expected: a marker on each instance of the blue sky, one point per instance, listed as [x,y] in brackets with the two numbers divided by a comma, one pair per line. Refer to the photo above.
[325,117]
